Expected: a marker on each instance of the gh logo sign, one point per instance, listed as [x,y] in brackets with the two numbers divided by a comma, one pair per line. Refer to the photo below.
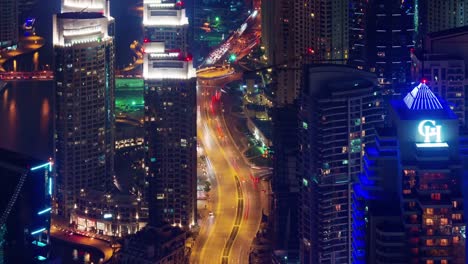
[430,131]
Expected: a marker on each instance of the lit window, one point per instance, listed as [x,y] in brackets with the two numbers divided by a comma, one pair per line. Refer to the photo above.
[444,221]
[455,240]
[455,204]
[430,232]
[406,191]
[456,216]
[429,222]
[430,211]
[458,94]
[444,242]
[429,242]
[435,196]
[338,207]
[429,261]
[444,261]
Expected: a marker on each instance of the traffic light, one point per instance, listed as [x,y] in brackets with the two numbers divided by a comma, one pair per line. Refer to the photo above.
[232,58]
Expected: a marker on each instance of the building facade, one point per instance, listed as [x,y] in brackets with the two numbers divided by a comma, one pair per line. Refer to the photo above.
[26,206]
[295,33]
[446,77]
[170,135]
[300,32]
[339,110]
[108,214]
[382,36]
[84,128]
[434,16]
[162,245]
[166,21]
[418,164]
[8,23]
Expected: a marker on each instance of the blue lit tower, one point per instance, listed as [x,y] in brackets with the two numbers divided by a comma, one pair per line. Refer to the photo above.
[25,208]
[417,163]
[84,126]
[340,107]
[170,115]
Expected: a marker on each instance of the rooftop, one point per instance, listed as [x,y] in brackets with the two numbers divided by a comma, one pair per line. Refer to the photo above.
[80,15]
[447,32]
[422,98]
[155,236]
[420,102]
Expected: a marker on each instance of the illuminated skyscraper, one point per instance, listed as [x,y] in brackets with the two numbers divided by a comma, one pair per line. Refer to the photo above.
[170,115]
[437,15]
[97,6]
[340,107]
[84,127]
[8,23]
[295,33]
[165,21]
[382,36]
[298,32]
[418,164]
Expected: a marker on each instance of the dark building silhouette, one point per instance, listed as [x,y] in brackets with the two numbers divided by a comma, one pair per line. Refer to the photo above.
[25,208]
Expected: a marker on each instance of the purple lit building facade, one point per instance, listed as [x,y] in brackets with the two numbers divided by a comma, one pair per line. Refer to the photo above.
[415,173]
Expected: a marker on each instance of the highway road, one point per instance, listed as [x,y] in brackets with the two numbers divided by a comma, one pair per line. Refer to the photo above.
[241,42]
[226,236]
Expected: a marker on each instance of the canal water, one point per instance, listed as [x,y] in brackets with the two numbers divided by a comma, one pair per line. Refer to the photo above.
[128,28]
[69,254]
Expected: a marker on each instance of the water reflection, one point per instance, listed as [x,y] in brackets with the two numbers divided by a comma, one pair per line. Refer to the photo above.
[12,120]
[26,115]
[45,115]
[64,252]
[5,100]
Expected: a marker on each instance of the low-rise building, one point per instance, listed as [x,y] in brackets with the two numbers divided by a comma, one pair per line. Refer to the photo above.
[108,214]
[154,245]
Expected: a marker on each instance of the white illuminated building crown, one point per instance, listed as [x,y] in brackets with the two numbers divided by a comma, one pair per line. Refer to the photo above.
[157,13]
[160,64]
[79,28]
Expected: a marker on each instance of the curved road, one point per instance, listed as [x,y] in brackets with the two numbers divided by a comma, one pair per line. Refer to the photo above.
[227,236]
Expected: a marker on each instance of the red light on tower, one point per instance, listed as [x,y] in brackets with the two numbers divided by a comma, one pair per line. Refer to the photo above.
[310,51]
[179,4]
[189,57]
[424,81]
[145,40]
